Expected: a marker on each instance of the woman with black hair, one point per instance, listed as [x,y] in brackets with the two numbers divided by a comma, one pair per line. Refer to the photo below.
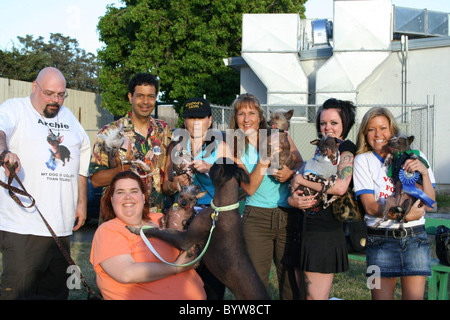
[319,247]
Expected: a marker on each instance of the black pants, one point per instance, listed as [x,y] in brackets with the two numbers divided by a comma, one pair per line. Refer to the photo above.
[33,267]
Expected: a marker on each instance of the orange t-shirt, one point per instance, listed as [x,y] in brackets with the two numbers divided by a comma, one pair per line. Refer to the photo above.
[113,239]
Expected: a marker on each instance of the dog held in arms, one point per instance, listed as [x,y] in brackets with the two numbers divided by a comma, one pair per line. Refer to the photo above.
[227,257]
[180,214]
[280,120]
[322,168]
[181,158]
[399,151]
[113,141]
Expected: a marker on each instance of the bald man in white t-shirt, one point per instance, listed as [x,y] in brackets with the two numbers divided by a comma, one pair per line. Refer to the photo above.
[52,151]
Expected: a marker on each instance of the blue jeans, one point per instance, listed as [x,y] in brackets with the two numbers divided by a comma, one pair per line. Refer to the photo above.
[399,257]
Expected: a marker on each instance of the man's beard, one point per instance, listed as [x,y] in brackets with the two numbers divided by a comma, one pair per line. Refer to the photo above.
[51,114]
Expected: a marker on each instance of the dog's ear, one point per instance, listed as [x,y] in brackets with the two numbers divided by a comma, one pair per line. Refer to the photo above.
[242,176]
[410,140]
[315,142]
[201,194]
[288,115]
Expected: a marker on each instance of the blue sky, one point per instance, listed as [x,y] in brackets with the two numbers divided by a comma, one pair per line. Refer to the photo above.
[78,18]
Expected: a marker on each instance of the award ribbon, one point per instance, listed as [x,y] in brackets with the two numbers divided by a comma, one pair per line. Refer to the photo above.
[408,180]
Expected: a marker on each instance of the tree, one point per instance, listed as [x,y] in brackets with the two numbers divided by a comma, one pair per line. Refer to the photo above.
[183,42]
[79,68]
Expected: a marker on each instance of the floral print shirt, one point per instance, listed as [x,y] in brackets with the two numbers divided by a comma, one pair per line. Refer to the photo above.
[148,148]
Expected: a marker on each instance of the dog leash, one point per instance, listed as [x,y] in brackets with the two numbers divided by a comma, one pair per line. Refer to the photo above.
[214,218]
[13,191]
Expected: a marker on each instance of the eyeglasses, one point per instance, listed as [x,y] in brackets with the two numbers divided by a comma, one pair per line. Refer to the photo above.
[50,94]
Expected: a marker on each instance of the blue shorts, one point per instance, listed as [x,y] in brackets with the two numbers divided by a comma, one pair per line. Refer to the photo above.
[402,257]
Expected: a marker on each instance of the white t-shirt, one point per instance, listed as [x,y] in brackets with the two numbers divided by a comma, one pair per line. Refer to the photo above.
[370,176]
[49,173]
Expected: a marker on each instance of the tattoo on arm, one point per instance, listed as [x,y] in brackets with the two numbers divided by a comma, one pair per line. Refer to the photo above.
[345,167]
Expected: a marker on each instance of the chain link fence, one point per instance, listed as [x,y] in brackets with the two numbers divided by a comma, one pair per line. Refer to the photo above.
[417,120]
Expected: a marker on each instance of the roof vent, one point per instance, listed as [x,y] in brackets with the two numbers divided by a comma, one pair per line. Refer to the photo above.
[420,22]
[322,31]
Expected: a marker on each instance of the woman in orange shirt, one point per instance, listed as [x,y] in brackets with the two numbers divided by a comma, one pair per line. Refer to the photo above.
[126,269]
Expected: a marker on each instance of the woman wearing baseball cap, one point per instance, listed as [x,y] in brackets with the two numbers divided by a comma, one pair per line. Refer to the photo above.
[202,146]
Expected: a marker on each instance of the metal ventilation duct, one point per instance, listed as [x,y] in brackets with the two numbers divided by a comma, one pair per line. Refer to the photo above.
[270,45]
[420,22]
[362,41]
[321,31]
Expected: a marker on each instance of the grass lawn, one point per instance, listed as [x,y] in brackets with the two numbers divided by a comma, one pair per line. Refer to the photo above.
[443,203]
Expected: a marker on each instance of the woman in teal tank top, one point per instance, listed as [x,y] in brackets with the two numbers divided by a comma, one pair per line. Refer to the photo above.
[268,217]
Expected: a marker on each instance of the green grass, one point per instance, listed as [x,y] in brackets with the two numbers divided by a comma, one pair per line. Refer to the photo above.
[443,202]
[80,252]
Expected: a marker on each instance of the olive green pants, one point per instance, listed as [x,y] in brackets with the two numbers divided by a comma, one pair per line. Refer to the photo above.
[268,234]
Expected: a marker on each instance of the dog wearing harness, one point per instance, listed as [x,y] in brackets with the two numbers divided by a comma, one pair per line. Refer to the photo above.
[322,168]
[218,229]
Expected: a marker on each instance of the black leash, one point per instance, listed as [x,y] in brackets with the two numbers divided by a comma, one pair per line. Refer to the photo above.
[13,191]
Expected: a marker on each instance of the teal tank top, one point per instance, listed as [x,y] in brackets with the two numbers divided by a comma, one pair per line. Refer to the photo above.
[271,193]
[202,179]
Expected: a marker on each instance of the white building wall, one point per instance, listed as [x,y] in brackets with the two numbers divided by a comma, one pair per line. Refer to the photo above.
[428,76]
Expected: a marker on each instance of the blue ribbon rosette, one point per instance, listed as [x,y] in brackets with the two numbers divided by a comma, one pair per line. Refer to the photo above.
[409,180]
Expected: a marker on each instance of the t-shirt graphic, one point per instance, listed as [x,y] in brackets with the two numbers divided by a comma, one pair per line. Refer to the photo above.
[57,150]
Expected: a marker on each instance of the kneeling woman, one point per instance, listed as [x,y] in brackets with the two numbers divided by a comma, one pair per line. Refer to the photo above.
[126,269]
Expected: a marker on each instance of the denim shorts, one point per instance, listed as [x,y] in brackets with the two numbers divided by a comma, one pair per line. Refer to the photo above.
[399,257]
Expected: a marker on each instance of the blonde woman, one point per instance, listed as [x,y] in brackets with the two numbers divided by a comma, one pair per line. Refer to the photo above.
[391,252]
